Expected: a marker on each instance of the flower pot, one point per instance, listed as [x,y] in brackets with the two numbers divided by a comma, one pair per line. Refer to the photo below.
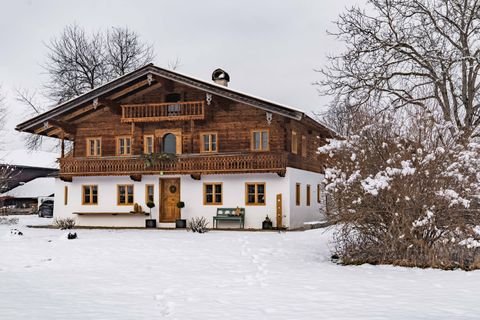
[180,223]
[150,223]
[267,225]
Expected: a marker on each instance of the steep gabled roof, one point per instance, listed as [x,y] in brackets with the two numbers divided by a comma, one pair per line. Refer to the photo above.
[142,73]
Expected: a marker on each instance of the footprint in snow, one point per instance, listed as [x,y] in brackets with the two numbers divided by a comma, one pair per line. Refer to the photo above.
[166,307]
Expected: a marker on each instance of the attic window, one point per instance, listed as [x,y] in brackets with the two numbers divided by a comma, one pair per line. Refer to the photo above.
[172,97]
[174,108]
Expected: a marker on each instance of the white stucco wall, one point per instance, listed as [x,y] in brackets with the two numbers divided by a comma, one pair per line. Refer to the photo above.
[191,192]
[303,213]
[233,196]
[107,201]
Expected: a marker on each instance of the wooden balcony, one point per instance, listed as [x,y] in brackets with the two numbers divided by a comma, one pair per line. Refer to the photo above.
[183,164]
[170,111]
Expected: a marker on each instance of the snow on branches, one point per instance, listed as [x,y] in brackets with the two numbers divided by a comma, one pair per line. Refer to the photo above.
[401,188]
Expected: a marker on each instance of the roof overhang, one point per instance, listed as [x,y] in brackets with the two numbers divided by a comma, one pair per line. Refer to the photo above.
[51,117]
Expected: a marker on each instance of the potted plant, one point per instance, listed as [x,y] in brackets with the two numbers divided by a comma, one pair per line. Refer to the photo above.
[267,223]
[181,223]
[150,223]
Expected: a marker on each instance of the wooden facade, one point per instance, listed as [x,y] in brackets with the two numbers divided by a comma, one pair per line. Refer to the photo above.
[249,135]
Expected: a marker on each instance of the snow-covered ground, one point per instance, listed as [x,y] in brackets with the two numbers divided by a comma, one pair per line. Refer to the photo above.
[152,274]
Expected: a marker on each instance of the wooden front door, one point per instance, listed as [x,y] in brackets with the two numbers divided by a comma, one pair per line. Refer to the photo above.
[169,197]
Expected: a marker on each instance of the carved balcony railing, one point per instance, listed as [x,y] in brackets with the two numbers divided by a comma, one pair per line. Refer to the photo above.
[170,111]
[182,164]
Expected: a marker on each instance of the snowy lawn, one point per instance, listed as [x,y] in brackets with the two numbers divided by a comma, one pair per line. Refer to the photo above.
[152,274]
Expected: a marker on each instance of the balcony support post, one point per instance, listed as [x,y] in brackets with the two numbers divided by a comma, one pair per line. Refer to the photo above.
[62,154]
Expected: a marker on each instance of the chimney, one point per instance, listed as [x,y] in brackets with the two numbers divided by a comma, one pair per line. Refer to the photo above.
[219,76]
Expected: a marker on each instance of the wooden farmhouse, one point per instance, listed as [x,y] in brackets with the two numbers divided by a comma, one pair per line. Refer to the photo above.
[189,146]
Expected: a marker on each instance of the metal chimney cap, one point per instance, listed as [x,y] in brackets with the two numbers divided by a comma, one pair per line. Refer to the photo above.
[220,74]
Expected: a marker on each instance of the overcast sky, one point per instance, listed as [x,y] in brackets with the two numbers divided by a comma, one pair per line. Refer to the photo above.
[269,48]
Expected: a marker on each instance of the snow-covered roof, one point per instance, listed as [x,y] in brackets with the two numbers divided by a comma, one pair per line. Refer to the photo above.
[22,157]
[39,187]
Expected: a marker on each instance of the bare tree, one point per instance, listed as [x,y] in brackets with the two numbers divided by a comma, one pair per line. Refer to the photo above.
[174,64]
[34,108]
[125,52]
[3,110]
[78,62]
[424,53]
[75,63]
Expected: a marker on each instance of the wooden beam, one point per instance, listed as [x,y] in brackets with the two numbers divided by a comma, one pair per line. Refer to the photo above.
[42,128]
[78,112]
[195,176]
[66,178]
[128,89]
[62,153]
[55,132]
[66,127]
[136,177]
[141,93]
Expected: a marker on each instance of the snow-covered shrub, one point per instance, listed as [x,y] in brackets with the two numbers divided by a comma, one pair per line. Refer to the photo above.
[64,223]
[8,221]
[405,194]
[198,224]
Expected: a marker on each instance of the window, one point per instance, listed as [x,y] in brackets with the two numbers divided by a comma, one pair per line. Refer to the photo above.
[297,194]
[149,193]
[294,142]
[94,147]
[65,195]
[260,140]
[212,193]
[89,194]
[124,146]
[208,142]
[170,143]
[308,194]
[125,194]
[319,193]
[304,146]
[255,194]
[173,109]
[148,144]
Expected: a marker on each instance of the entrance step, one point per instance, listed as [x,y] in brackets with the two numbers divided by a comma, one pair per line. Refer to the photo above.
[166,225]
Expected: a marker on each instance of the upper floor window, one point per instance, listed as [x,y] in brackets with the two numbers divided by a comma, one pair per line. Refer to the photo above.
[208,142]
[319,193]
[260,140]
[89,194]
[304,146]
[255,193]
[173,109]
[125,194]
[169,143]
[94,147]
[294,142]
[148,143]
[172,97]
[124,146]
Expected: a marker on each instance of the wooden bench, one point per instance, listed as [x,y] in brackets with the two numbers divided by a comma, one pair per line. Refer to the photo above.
[111,213]
[229,214]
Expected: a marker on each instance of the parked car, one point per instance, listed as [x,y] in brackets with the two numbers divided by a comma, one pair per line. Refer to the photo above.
[46,209]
